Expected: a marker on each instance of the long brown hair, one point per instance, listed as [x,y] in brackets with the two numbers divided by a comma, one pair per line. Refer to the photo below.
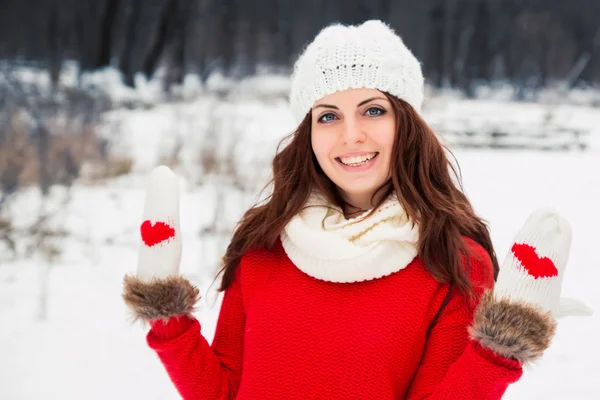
[420,176]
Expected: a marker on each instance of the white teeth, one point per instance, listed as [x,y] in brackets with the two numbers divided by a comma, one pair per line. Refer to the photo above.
[356,161]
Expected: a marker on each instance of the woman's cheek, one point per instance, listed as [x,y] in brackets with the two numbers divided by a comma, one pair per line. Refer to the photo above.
[323,145]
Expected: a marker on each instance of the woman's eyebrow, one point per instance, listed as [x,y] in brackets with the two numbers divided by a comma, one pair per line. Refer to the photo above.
[371,99]
[359,104]
[326,106]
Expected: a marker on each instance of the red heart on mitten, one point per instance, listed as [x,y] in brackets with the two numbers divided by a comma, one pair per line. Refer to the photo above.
[536,266]
[156,233]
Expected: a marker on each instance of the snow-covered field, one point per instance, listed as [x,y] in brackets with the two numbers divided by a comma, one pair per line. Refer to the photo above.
[85,347]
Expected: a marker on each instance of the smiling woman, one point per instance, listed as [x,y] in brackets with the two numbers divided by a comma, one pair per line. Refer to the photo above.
[352,135]
[366,274]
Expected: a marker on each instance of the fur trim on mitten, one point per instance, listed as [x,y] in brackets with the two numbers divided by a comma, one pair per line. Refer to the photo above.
[516,330]
[159,298]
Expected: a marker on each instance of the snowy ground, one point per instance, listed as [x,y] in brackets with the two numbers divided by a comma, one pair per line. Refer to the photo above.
[86,348]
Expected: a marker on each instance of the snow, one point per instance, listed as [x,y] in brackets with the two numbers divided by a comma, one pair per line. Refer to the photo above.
[510,124]
[86,347]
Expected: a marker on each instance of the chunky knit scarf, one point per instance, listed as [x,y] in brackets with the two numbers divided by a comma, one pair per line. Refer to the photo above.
[326,246]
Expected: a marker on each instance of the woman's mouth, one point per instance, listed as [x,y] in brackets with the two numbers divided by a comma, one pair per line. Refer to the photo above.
[355,163]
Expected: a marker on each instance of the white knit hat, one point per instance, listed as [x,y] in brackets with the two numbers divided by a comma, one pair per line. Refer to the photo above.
[343,57]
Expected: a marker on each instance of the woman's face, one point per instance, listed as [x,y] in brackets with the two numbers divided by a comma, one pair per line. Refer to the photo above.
[352,136]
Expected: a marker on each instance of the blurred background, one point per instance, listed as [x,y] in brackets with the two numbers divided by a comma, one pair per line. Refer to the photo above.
[95,94]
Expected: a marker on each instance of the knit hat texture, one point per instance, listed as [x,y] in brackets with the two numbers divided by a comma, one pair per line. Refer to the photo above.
[343,57]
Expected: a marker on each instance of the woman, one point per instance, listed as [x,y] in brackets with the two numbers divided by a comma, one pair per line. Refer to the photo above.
[366,274]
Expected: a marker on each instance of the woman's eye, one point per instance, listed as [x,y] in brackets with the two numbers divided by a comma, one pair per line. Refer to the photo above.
[374,111]
[327,117]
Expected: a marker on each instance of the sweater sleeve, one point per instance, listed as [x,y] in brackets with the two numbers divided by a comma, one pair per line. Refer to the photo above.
[197,369]
[455,366]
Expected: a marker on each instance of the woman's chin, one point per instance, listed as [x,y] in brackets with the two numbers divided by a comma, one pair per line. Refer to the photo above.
[359,192]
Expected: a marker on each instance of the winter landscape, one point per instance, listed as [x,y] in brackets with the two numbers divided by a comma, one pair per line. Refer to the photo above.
[65,332]
[94,94]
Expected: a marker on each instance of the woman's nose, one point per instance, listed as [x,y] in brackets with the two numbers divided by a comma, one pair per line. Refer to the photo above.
[353,132]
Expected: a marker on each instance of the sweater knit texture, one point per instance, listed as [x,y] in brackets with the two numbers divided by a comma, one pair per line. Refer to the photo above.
[283,334]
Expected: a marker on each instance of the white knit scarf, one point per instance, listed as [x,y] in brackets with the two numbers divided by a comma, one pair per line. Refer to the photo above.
[326,246]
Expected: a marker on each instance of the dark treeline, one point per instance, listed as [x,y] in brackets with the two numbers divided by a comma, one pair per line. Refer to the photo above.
[528,42]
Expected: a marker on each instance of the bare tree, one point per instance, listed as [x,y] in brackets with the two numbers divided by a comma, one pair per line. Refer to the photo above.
[126,61]
[107,32]
[37,151]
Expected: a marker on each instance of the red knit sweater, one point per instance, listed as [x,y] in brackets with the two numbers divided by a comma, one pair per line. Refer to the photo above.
[282,334]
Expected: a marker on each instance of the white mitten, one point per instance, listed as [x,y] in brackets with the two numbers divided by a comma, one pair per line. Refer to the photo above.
[534,268]
[156,291]
[517,320]
[160,245]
